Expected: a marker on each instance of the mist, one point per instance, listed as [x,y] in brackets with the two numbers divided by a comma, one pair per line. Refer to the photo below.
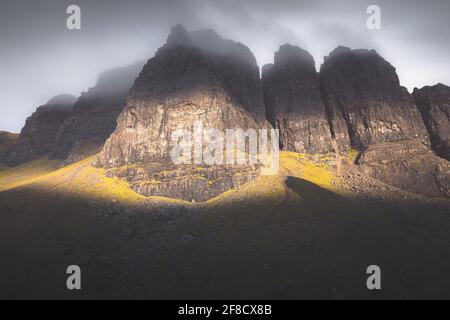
[41,57]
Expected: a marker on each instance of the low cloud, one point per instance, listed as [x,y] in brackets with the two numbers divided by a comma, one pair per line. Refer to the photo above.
[41,58]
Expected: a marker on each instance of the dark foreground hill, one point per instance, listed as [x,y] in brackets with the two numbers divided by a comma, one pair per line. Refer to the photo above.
[301,234]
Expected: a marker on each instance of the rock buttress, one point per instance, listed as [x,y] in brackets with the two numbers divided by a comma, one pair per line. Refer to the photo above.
[293,102]
[365,102]
[434,105]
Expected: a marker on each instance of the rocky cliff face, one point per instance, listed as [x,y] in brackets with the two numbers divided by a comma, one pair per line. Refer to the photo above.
[294,103]
[355,101]
[408,165]
[38,136]
[365,102]
[238,68]
[94,115]
[180,86]
[434,105]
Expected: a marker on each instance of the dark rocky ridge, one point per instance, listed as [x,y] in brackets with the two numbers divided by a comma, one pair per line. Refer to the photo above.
[38,137]
[365,102]
[355,101]
[94,115]
[177,87]
[434,105]
[369,111]
[294,103]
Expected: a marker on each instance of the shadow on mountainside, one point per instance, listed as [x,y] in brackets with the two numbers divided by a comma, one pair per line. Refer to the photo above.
[310,243]
[311,191]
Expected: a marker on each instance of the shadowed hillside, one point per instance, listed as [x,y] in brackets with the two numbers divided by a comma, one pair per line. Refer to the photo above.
[300,234]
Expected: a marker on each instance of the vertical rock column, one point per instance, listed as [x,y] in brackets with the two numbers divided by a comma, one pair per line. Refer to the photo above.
[293,101]
[365,101]
[434,105]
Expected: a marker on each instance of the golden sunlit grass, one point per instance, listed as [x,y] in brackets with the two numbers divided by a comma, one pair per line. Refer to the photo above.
[271,188]
[25,174]
[351,155]
[300,166]
[82,179]
[263,187]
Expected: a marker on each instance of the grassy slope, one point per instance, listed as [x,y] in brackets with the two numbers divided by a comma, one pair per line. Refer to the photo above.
[83,180]
[7,137]
[79,180]
[291,235]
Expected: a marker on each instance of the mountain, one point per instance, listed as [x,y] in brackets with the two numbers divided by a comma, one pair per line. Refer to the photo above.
[370,112]
[354,105]
[294,103]
[365,102]
[434,105]
[69,128]
[179,87]
[37,137]
[94,115]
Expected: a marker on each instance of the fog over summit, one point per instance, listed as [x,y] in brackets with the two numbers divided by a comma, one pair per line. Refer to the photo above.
[42,58]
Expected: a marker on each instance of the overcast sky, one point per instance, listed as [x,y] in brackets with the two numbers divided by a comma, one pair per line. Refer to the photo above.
[40,57]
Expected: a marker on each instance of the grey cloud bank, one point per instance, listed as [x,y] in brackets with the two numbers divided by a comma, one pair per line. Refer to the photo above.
[41,58]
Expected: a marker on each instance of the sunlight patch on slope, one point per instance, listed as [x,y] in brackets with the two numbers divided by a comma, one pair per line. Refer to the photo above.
[301,166]
[262,188]
[80,179]
[26,173]
[83,180]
